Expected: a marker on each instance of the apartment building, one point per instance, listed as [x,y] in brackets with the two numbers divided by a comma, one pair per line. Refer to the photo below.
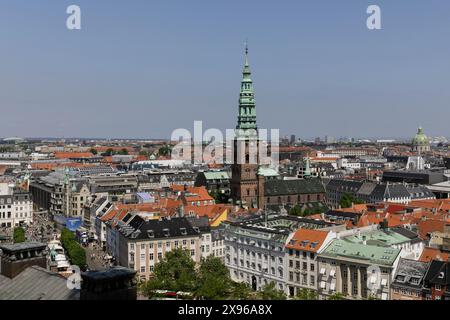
[142,244]
[301,254]
[408,280]
[16,209]
[355,270]
[255,248]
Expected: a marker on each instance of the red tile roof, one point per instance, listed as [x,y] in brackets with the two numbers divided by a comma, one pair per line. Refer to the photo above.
[311,236]
[430,254]
[68,155]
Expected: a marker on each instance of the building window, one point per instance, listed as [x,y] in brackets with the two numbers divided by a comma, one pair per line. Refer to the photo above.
[151,256]
[142,269]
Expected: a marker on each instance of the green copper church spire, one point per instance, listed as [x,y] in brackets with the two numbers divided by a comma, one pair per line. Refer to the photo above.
[247,109]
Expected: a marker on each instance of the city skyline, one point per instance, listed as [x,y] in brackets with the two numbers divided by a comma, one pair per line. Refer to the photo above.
[172,64]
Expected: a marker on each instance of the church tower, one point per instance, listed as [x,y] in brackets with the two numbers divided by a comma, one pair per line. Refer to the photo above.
[244,180]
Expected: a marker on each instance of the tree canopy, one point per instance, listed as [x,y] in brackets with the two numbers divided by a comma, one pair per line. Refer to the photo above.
[176,272]
[76,253]
[270,292]
[19,235]
[348,200]
[210,280]
[306,294]
[337,296]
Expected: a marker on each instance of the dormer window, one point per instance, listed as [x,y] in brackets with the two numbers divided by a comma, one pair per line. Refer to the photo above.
[166,232]
[150,233]
[183,231]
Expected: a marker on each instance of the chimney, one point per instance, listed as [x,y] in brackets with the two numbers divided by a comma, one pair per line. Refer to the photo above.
[182,211]
[117,283]
[19,256]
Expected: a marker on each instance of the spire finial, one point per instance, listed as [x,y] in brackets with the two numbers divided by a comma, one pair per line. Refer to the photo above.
[246,47]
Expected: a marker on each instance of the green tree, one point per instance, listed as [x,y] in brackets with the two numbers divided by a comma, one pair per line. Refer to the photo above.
[144,153]
[19,235]
[337,296]
[220,197]
[93,151]
[270,292]
[123,152]
[241,291]
[109,152]
[176,272]
[164,151]
[296,210]
[306,294]
[348,200]
[76,253]
[214,282]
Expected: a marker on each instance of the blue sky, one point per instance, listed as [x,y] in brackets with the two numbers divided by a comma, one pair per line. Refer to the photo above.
[143,68]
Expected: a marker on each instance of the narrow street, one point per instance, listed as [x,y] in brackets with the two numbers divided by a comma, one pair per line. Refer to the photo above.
[95,257]
[42,229]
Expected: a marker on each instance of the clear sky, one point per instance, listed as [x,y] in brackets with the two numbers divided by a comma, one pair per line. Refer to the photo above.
[142,68]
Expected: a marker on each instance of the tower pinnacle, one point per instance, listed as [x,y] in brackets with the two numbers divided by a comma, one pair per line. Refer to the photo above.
[247,110]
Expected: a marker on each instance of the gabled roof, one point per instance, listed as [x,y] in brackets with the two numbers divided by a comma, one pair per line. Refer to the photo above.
[438,273]
[430,254]
[210,211]
[410,273]
[216,175]
[138,229]
[36,283]
[307,240]
[293,187]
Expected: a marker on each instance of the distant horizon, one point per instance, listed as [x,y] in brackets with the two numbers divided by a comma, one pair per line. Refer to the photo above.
[311,139]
